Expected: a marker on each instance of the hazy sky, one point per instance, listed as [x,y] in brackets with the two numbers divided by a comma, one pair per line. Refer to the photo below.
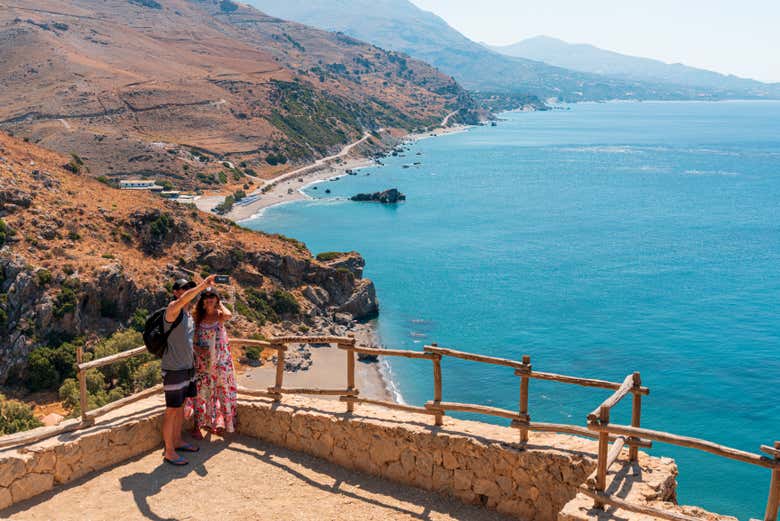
[740,37]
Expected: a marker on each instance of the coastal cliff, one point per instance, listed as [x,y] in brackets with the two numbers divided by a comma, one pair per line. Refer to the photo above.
[81,259]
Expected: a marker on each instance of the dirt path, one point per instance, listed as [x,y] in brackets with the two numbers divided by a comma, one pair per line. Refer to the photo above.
[243,479]
[318,163]
[446,119]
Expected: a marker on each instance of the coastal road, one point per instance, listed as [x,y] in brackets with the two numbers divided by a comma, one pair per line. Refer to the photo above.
[446,119]
[318,163]
[208,203]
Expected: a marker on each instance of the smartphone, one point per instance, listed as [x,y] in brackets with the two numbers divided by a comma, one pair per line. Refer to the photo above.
[222,279]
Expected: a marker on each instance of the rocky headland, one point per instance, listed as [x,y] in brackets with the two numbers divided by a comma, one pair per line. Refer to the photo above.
[80,259]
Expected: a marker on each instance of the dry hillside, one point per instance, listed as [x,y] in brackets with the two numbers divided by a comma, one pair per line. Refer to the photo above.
[173,88]
[79,258]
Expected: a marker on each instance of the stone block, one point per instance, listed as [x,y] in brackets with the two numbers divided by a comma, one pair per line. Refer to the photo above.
[12,468]
[6,499]
[449,460]
[486,487]
[42,461]
[31,485]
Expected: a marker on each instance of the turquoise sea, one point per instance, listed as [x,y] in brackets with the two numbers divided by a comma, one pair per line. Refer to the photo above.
[601,239]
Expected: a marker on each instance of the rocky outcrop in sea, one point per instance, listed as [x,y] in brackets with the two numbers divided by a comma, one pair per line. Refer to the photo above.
[390,196]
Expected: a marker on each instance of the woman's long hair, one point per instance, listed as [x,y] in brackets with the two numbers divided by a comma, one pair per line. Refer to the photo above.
[200,308]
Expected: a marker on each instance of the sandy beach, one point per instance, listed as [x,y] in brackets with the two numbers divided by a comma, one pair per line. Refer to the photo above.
[290,187]
[328,370]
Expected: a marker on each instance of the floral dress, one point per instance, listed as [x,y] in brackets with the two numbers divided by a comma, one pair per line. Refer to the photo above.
[215,405]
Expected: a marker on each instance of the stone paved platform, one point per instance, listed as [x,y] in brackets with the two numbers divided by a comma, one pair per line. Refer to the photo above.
[239,478]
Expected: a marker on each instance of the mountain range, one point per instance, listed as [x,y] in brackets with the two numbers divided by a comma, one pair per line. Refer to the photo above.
[401,26]
[176,88]
[591,59]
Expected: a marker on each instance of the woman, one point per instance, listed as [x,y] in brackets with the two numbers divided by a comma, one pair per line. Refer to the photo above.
[214,407]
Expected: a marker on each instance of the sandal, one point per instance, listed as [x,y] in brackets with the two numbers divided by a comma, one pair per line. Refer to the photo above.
[188,448]
[178,462]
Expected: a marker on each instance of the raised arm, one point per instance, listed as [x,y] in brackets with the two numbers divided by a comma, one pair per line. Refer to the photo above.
[224,313]
[175,307]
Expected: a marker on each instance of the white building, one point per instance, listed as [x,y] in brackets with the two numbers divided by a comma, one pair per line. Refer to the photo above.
[137,184]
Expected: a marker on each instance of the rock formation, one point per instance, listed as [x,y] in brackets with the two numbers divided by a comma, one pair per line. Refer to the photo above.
[390,196]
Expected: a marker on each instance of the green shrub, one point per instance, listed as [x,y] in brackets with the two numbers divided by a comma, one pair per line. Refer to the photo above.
[159,228]
[67,299]
[166,184]
[226,6]
[223,177]
[5,232]
[284,303]
[16,416]
[328,256]
[253,352]
[208,179]
[75,164]
[44,277]
[117,380]
[225,206]
[47,367]
[41,373]
[139,319]
[275,159]
[74,235]
[146,375]
[238,195]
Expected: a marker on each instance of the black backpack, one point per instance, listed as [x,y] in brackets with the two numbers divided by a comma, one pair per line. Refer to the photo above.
[155,336]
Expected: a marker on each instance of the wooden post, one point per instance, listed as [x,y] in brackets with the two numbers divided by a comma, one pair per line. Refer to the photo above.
[439,418]
[279,371]
[524,379]
[351,373]
[636,414]
[773,503]
[601,471]
[82,384]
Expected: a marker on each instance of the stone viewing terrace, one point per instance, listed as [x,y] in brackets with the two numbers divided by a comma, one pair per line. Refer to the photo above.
[301,457]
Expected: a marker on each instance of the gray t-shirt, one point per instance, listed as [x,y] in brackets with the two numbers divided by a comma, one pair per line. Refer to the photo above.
[179,354]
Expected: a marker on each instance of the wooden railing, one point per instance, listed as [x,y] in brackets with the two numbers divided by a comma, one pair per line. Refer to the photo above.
[612,438]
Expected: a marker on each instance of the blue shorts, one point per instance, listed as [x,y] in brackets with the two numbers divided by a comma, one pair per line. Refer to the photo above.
[178,386]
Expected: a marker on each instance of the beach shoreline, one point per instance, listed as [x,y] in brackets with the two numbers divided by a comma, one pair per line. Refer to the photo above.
[328,364]
[328,370]
[288,187]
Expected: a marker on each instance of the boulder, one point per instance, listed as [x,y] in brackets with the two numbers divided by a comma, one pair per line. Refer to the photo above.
[390,196]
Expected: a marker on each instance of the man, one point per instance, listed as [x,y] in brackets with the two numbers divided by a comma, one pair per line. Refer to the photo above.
[178,367]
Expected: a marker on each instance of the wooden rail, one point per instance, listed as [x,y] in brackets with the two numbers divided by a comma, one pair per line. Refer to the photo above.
[691,443]
[598,421]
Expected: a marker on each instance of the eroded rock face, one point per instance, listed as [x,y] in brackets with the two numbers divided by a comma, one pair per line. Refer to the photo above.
[362,304]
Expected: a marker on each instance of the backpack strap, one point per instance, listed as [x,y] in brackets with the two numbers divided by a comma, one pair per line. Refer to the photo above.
[175,324]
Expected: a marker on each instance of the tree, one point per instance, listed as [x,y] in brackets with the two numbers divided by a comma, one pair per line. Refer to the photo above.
[16,416]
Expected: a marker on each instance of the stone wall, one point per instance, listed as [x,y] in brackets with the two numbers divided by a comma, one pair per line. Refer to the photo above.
[474,462]
[33,470]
